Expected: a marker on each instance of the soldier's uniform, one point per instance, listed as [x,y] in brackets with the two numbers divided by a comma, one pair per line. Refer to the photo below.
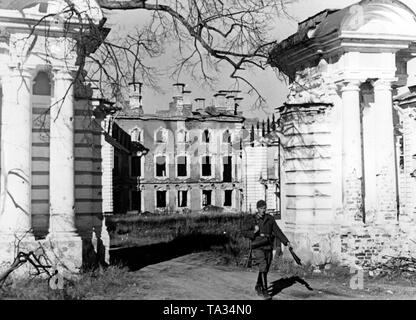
[271,230]
[263,251]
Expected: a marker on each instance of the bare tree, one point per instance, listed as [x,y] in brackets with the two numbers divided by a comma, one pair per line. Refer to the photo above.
[212,36]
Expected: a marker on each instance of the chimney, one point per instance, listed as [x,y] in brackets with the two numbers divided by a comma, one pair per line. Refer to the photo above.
[187,97]
[219,99]
[178,89]
[200,103]
[135,97]
[179,107]
[237,103]
[230,102]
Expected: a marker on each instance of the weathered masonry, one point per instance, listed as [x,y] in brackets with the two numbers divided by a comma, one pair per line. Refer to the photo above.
[50,136]
[340,164]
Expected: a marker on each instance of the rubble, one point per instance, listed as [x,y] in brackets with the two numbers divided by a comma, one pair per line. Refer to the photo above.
[394,266]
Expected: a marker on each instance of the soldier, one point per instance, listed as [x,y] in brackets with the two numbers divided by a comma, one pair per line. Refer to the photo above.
[265,235]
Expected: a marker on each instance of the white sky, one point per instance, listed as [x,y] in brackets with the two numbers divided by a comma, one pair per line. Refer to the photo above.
[274,90]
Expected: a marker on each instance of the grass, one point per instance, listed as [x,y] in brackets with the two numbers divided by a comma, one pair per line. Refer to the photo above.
[98,284]
[134,230]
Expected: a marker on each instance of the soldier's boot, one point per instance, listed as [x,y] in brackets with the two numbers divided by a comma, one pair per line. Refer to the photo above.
[265,293]
[259,285]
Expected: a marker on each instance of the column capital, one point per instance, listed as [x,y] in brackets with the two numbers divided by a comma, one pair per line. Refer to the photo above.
[383,84]
[350,85]
[65,73]
[17,71]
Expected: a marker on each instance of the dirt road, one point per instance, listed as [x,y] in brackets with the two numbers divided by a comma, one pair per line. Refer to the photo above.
[199,276]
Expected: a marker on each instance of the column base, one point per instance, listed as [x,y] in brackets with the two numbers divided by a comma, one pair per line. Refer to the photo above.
[10,247]
[62,253]
[318,244]
[65,252]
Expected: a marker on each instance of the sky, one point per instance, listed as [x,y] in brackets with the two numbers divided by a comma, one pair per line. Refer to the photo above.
[274,90]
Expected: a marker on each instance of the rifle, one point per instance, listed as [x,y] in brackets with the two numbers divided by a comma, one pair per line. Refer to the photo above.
[248,263]
[297,259]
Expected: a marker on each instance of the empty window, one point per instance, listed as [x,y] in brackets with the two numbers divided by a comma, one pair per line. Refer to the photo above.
[228,198]
[227,169]
[116,168]
[206,166]
[117,201]
[161,136]
[401,153]
[160,199]
[181,166]
[161,166]
[42,84]
[182,198]
[136,135]
[206,197]
[206,136]
[182,136]
[226,137]
[135,200]
[136,169]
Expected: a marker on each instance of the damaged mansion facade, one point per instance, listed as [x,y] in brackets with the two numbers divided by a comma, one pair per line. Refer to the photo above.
[50,136]
[348,134]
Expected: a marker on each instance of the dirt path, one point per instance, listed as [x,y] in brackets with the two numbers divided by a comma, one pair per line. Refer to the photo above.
[199,277]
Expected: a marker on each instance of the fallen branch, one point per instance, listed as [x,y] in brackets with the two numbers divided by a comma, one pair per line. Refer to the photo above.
[17,263]
[21,259]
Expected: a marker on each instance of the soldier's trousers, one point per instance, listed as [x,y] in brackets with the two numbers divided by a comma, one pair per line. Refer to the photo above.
[263,258]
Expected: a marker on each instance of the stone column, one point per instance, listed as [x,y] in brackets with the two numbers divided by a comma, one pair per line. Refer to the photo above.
[335,98]
[16,144]
[351,152]
[369,115]
[409,145]
[385,159]
[62,181]
[107,169]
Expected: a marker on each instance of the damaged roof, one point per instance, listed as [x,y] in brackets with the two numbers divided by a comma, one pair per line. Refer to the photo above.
[325,32]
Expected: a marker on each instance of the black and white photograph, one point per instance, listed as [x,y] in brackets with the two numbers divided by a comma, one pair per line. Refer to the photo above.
[215,152]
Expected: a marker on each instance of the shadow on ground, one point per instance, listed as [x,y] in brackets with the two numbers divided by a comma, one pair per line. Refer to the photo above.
[136,258]
[277,286]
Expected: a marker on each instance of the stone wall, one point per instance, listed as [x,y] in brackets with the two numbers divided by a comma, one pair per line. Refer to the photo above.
[366,245]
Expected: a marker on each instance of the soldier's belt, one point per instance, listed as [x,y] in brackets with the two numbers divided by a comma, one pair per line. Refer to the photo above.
[260,242]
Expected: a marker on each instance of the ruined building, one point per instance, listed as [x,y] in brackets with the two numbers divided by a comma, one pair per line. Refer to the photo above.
[348,155]
[261,154]
[50,200]
[194,157]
